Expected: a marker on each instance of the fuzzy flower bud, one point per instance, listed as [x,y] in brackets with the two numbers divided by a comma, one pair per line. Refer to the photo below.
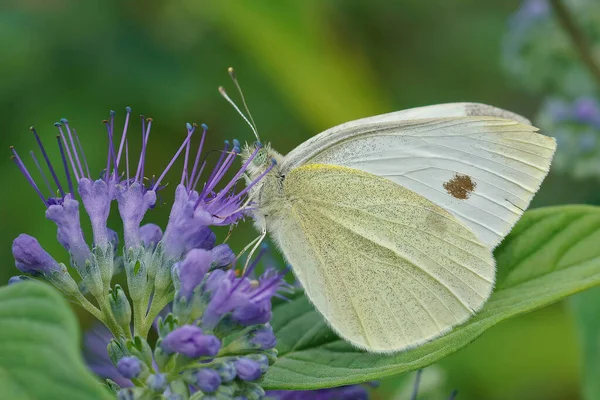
[263,338]
[222,255]
[31,258]
[150,235]
[247,369]
[120,306]
[192,270]
[191,342]
[208,380]
[157,383]
[129,367]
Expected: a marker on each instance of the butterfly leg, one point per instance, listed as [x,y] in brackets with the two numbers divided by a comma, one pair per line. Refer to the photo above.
[256,243]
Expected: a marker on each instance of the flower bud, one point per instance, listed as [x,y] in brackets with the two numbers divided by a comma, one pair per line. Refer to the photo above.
[150,234]
[253,313]
[226,371]
[253,392]
[247,369]
[119,304]
[207,380]
[140,348]
[157,383]
[192,270]
[116,351]
[262,338]
[191,342]
[31,258]
[129,367]
[261,359]
[222,255]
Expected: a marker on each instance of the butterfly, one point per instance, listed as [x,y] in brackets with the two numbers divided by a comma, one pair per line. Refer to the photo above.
[389,222]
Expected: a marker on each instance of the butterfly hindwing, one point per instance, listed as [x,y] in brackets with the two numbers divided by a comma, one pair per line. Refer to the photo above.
[387,268]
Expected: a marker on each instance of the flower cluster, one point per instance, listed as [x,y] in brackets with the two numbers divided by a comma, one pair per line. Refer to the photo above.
[540,55]
[576,127]
[216,340]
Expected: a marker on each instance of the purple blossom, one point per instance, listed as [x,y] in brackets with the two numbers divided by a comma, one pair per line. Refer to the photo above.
[263,338]
[150,234]
[113,237]
[248,301]
[222,255]
[584,110]
[70,235]
[190,341]
[188,243]
[353,392]
[247,369]
[129,367]
[207,380]
[94,344]
[134,201]
[31,258]
[97,196]
[192,270]
[218,203]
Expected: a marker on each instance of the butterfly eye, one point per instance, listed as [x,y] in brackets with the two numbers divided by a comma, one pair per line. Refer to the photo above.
[260,158]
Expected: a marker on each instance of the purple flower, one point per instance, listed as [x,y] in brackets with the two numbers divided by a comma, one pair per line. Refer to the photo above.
[208,380]
[247,369]
[97,196]
[129,367]
[248,301]
[263,338]
[134,201]
[94,344]
[150,234]
[353,392]
[222,255]
[69,233]
[587,110]
[254,312]
[31,258]
[192,214]
[192,270]
[190,341]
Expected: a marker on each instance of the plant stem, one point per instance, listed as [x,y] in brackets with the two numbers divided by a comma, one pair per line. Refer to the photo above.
[89,307]
[158,303]
[577,37]
[109,318]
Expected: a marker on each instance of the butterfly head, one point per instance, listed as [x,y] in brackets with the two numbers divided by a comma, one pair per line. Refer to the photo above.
[261,159]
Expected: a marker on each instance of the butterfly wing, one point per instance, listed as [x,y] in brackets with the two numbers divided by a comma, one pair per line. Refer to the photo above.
[387,268]
[483,170]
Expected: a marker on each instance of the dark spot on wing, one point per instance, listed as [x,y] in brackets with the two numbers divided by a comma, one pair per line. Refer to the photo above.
[460,186]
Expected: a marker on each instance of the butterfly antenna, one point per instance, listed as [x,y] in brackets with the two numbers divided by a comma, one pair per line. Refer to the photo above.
[226,97]
[239,88]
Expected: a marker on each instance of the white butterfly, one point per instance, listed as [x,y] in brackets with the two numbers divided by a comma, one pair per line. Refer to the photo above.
[389,222]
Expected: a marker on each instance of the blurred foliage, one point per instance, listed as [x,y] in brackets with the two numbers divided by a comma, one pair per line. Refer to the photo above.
[305,66]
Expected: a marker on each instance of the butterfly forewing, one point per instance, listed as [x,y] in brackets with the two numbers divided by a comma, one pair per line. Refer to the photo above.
[483,170]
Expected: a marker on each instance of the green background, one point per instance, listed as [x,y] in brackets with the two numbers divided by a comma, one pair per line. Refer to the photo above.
[305,65]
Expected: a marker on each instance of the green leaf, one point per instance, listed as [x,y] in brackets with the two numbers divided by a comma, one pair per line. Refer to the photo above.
[586,309]
[550,254]
[39,347]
